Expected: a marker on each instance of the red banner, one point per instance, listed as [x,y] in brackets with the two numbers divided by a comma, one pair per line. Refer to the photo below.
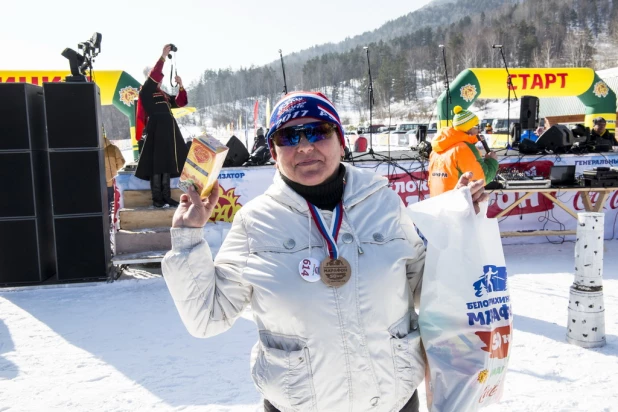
[256,109]
[411,187]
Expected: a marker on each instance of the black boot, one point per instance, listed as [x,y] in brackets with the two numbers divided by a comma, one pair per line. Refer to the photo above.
[167,191]
[155,188]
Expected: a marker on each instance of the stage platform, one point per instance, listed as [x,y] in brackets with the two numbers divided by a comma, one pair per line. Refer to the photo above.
[141,228]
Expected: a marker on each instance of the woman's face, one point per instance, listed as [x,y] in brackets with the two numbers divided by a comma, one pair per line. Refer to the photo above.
[307,163]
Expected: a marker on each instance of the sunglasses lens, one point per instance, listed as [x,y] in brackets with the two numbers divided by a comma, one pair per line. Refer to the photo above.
[314,132]
[286,137]
[320,131]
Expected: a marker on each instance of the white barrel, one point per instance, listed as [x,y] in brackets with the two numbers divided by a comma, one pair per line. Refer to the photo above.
[589,251]
[586,324]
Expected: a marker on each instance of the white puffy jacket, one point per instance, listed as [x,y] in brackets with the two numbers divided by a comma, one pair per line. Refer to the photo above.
[353,348]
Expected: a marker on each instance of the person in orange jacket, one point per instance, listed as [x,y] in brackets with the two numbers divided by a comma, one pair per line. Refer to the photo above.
[454,153]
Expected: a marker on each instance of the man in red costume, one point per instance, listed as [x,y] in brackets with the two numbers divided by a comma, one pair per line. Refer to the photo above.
[164,152]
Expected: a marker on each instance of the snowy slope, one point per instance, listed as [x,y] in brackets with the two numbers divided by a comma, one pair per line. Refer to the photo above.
[122,347]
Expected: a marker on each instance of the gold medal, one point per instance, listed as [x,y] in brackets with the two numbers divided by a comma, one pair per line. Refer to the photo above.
[335,272]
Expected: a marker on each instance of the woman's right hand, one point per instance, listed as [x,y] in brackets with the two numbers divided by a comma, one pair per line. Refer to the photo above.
[193,211]
[166,51]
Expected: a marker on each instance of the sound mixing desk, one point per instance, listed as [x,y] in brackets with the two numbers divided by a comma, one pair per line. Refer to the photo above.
[515,180]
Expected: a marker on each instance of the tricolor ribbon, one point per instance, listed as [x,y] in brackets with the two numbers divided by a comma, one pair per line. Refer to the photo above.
[335,225]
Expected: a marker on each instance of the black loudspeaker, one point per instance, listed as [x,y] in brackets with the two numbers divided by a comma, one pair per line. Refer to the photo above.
[25,185]
[528,112]
[18,189]
[527,146]
[556,139]
[26,233]
[73,112]
[77,175]
[421,133]
[581,134]
[515,133]
[27,254]
[78,182]
[82,247]
[237,153]
[22,117]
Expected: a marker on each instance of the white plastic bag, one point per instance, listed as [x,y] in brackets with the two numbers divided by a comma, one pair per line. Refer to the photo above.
[465,311]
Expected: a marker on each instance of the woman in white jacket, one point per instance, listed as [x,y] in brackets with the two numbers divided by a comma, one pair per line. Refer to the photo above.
[329,261]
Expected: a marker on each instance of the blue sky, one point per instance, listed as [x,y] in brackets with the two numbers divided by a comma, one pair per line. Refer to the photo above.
[208,34]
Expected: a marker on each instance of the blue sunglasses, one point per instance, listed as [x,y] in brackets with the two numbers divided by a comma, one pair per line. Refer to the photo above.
[314,132]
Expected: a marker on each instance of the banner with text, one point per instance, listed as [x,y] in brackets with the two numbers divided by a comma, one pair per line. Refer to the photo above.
[409,181]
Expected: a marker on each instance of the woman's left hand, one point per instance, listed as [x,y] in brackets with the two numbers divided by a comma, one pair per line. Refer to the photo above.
[179,81]
[477,189]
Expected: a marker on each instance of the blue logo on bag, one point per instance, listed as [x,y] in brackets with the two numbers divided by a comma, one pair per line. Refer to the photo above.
[493,279]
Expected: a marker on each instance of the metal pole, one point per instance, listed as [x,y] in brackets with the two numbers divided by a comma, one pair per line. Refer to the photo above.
[446,84]
[509,85]
[370,93]
[586,322]
[285,83]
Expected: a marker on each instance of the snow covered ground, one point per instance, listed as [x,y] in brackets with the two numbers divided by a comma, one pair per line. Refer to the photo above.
[122,347]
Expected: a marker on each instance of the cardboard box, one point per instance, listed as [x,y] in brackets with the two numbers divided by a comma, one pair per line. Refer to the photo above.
[203,165]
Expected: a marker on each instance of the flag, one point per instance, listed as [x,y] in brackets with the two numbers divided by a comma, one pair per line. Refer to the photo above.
[267,112]
[256,110]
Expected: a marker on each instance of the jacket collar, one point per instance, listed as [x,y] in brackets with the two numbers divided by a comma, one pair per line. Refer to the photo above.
[359,184]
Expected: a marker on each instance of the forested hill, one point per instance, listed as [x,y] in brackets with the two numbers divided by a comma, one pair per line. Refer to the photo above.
[405,56]
[439,13]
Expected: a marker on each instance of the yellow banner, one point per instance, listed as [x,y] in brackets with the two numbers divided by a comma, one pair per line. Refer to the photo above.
[106,80]
[183,111]
[553,82]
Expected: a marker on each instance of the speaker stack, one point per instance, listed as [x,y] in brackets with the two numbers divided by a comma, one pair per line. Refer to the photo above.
[26,235]
[529,112]
[77,179]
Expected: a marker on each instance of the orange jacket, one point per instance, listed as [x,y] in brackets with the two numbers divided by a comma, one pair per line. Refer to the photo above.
[453,153]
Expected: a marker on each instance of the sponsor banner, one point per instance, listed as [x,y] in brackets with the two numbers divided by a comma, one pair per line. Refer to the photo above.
[540,82]
[409,181]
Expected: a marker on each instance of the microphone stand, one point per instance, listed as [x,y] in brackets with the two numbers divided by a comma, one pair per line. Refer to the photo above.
[371,101]
[285,83]
[446,85]
[509,85]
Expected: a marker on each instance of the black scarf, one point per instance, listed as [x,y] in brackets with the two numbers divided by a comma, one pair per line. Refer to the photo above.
[325,195]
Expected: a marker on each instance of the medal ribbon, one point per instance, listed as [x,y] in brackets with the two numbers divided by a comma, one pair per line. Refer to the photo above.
[330,235]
